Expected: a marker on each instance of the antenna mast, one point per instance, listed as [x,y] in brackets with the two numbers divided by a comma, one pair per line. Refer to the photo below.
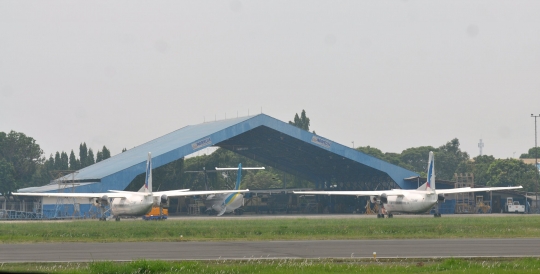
[481,145]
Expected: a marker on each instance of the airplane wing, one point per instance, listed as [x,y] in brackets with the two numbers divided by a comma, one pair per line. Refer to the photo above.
[144,193]
[176,193]
[352,193]
[468,189]
[74,195]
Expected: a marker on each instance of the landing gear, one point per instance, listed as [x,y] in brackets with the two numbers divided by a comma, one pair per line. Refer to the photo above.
[390,215]
[437,214]
[117,219]
[103,211]
[382,211]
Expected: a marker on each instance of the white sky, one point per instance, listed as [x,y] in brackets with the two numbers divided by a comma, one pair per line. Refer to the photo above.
[389,74]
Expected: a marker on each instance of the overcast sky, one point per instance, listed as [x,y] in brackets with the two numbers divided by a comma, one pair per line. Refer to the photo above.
[388,74]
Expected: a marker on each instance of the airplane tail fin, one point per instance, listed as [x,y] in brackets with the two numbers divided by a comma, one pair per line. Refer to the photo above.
[238,177]
[430,184]
[148,177]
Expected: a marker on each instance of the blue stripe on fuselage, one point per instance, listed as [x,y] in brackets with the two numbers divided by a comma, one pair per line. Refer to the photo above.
[230,198]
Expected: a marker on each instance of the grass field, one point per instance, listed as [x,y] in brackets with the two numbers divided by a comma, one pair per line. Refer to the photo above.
[270,229]
[513,265]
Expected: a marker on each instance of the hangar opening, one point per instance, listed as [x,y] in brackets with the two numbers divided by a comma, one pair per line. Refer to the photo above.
[318,165]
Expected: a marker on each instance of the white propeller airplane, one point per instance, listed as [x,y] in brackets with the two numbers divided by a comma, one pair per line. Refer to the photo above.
[131,203]
[228,202]
[419,200]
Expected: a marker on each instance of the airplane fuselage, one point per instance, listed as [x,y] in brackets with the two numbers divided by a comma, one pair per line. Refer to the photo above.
[231,201]
[411,202]
[132,205]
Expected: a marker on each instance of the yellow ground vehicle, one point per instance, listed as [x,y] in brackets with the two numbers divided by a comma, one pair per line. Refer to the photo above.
[157,213]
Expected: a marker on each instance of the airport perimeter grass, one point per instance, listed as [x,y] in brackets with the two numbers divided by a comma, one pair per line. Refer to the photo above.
[270,229]
[482,265]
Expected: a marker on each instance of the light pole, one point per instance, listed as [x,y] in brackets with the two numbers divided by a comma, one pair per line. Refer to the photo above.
[535,161]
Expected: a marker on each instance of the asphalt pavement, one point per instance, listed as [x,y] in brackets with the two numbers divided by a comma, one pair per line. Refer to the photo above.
[428,248]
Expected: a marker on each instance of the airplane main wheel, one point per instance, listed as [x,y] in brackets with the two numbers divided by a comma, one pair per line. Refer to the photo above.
[390,215]
[117,219]
[437,215]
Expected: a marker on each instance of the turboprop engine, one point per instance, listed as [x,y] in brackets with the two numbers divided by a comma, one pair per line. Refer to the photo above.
[164,201]
[382,199]
[440,198]
[102,201]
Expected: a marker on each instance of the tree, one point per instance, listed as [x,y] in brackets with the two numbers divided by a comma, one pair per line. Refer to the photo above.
[57,161]
[39,178]
[106,153]
[531,153]
[375,152]
[22,152]
[7,179]
[301,122]
[64,161]
[102,155]
[124,150]
[479,167]
[393,158]
[512,172]
[50,163]
[261,180]
[99,156]
[74,163]
[416,158]
[83,155]
[448,157]
[90,160]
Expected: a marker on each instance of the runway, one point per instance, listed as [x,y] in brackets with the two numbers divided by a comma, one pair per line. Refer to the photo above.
[429,248]
[287,216]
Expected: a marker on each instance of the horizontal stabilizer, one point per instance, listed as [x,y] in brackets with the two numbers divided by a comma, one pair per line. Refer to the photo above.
[235,168]
[174,193]
[222,211]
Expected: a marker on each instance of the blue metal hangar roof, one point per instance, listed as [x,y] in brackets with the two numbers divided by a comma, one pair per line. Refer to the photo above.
[259,137]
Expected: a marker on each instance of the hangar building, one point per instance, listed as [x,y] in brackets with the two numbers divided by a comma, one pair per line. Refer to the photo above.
[259,137]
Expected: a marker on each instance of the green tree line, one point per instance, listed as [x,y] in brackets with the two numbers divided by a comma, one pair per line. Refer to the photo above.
[22,163]
[449,160]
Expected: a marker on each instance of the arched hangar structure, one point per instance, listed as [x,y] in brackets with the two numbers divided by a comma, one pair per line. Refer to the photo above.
[259,137]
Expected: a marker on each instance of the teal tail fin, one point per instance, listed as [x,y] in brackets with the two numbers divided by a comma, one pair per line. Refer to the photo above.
[238,177]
